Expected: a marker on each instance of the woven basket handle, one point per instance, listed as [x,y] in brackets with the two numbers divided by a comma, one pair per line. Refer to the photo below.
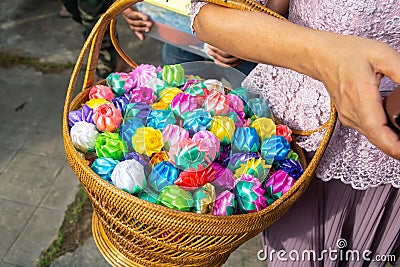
[93,45]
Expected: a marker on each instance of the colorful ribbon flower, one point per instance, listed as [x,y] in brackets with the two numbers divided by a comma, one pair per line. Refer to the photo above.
[176,198]
[189,82]
[216,103]
[121,102]
[83,114]
[257,168]
[107,117]
[120,82]
[245,140]
[291,167]
[196,178]
[159,119]
[257,107]
[141,74]
[204,198]
[142,94]
[104,167]
[223,128]
[84,136]
[199,90]
[197,120]
[277,185]
[274,149]
[147,140]
[174,75]
[110,145]
[214,85]
[101,91]
[137,110]
[284,131]
[265,127]
[129,176]
[173,135]
[209,141]
[162,175]
[249,194]
[225,204]
[190,154]
[235,103]
[158,157]
[183,103]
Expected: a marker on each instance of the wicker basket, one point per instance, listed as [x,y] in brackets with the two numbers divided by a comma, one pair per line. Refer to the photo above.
[131,232]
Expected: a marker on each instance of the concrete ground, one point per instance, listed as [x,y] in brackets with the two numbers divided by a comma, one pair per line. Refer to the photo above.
[36,181]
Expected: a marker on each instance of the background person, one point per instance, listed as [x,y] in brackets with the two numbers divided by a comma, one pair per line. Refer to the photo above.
[140,23]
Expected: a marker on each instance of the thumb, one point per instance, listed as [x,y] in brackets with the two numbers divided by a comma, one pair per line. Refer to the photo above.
[389,65]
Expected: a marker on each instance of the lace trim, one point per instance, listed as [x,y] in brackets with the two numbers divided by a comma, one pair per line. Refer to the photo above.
[194,10]
[351,158]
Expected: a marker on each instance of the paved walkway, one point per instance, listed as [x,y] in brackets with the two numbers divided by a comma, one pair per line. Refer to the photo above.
[36,181]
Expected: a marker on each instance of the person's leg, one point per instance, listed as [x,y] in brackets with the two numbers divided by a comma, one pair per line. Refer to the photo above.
[173,55]
[63,12]
[87,12]
[90,11]
[72,7]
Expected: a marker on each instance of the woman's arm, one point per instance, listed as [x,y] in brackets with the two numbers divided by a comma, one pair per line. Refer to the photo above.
[350,67]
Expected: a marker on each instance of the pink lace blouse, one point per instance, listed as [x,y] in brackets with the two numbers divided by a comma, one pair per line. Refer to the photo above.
[303,103]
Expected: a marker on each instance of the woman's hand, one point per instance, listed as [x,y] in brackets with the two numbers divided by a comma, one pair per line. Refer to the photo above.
[351,69]
[138,22]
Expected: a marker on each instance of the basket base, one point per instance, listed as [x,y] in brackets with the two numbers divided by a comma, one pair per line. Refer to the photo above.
[113,256]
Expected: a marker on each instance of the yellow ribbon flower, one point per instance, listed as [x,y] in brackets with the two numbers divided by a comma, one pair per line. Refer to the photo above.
[265,127]
[147,140]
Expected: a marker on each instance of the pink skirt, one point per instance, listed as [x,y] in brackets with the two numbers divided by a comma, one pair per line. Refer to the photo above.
[333,224]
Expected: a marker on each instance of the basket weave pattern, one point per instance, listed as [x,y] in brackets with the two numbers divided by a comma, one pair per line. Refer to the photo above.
[130,231]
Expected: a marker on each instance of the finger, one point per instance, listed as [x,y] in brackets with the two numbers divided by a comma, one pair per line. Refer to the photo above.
[219,63]
[140,29]
[229,61]
[389,65]
[142,23]
[139,35]
[388,141]
[219,52]
[142,16]
[376,127]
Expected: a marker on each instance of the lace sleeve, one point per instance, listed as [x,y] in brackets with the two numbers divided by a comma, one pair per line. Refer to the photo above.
[194,10]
